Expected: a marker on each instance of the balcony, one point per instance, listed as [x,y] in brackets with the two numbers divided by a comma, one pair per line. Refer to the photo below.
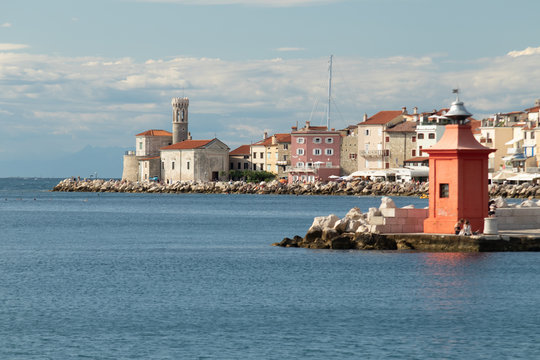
[374,153]
[312,169]
[282,162]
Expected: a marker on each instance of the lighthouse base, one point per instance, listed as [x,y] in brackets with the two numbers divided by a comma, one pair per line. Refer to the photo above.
[446,225]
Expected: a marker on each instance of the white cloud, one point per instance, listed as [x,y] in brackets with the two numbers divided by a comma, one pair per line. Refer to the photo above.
[5,25]
[108,100]
[527,51]
[289,49]
[9,47]
[267,3]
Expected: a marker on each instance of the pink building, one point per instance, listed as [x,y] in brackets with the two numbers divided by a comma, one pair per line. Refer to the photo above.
[315,154]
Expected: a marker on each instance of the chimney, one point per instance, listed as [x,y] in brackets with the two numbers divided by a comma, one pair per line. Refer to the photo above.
[404,110]
[333,129]
[364,119]
[265,135]
[274,139]
[294,128]
[415,110]
[307,124]
[537,102]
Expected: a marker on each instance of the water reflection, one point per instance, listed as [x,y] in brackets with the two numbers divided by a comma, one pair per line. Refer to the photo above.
[450,281]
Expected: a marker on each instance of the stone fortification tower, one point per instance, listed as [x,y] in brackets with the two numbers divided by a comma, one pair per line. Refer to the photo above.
[180,119]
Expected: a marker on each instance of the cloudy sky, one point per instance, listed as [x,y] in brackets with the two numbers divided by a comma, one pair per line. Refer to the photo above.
[77,74]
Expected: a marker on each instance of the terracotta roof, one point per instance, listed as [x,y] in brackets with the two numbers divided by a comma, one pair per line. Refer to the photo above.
[382,117]
[155,133]
[242,150]
[533,109]
[187,144]
[475,125]
[281,138]
[406,126]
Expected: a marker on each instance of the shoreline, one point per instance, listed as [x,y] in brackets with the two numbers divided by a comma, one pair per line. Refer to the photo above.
[353,188]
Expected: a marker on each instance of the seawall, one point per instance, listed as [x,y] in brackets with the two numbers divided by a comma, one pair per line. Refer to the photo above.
[356,188]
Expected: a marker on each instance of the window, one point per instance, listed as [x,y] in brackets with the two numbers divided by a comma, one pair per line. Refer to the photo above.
[309,165]
[413,152]
[254,155]
[261,166]
[532,134]
[387,139]
[232,166]
[352,156]
[366,132]
[286,146]
[246,166]
[300,164]
[300,140]
[431,136]
[414,139]
[268,168]
[317,152]
[163,164]
[444,190]
[299,151]
[419,151]
[329,140]
[239,166]
[172,165]
[328,164]
[420,136]
[140,145]
[387,166]
[262,155]
[268,155]
[329,151]
[317,140]
[277,156]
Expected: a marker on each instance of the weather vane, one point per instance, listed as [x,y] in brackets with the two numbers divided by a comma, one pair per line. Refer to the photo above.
[456,91]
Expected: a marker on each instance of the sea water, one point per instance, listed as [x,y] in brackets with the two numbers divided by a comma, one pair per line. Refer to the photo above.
[193,276]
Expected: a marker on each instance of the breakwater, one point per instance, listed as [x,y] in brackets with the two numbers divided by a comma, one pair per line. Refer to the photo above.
[358,188]
[240,187]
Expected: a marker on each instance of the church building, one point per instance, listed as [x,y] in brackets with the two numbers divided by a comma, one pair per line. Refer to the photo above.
[170,157]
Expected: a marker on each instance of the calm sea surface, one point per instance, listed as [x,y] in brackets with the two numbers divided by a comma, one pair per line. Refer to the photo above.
[140,276]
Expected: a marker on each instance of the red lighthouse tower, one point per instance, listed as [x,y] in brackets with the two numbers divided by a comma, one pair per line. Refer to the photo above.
[458,176]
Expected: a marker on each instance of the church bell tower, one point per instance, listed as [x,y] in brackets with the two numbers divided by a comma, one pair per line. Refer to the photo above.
[180,119]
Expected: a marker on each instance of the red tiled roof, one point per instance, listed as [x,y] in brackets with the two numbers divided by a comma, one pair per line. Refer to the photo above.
[242,150]
[382,117]
[281,138]
[187,144]
[533,109]
[150,158]
[406,126]
[475,125]
[155,133]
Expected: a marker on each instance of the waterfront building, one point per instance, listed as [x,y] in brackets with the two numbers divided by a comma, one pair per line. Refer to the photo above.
[164,156]
[194,160]
[240,158]
[372,151]
[278,155]
[258,154]
[349,150]
[400,141]
[315,154]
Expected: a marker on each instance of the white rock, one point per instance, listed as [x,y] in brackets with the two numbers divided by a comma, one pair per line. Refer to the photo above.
[387,203]
[355,214]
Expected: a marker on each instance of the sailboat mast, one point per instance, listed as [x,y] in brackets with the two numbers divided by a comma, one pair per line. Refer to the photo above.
[329,93]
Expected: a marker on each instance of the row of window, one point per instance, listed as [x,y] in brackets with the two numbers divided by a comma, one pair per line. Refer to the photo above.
[173,165]
[316,152]
[316,140]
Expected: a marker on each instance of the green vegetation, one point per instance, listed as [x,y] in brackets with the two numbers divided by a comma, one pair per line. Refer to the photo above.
[248,175]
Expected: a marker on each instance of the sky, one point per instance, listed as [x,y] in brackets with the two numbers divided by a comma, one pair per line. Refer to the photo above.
[83,77]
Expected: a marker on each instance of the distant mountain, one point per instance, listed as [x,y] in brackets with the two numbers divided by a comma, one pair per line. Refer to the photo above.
[107,162]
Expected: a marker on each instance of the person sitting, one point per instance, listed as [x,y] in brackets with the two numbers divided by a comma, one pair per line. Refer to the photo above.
[492,208]
[457,227]
[466,229]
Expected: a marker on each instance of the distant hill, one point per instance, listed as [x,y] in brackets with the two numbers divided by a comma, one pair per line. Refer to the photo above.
[107,162]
